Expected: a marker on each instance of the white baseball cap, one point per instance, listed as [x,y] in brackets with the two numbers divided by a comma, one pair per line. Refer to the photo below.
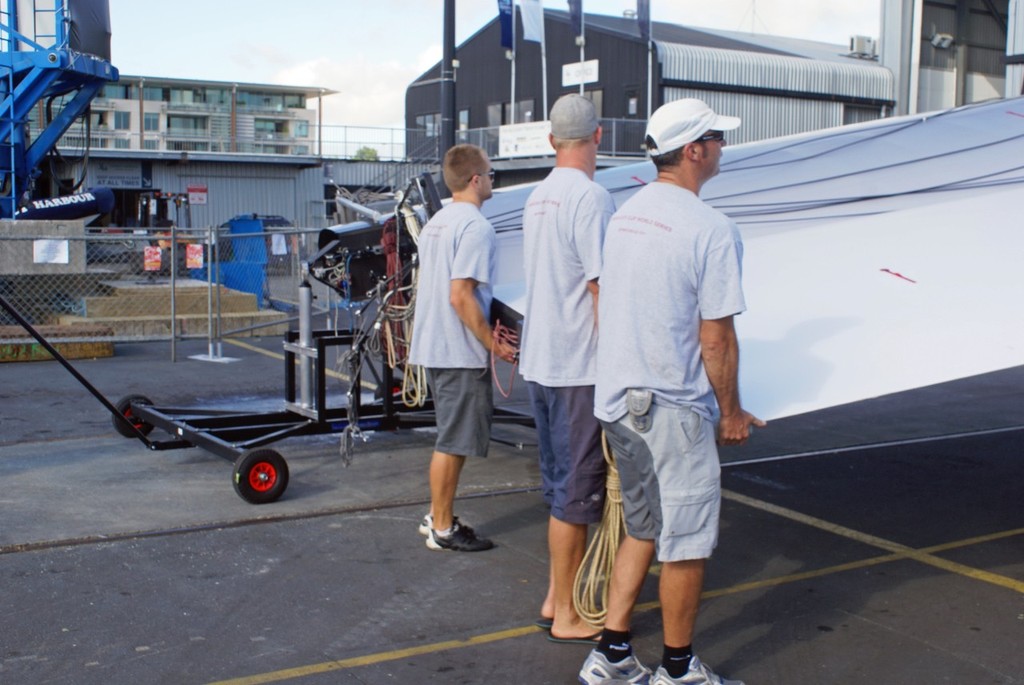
[679,122]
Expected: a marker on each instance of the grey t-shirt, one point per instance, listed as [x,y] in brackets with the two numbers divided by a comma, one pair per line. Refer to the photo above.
[563,228]
[457,242]
[670,261]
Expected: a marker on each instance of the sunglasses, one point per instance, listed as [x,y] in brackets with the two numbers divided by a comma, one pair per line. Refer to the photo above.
[489,174]
[718,136]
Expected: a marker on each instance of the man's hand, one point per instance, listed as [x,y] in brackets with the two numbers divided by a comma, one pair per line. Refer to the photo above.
[734,429]
[504,351]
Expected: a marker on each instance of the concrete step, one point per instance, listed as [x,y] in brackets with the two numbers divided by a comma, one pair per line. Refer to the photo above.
[191,301]
[193,324]
[17,345]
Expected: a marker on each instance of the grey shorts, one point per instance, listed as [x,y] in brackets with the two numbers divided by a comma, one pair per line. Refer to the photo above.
[671,481]
[464,406]
[572,466]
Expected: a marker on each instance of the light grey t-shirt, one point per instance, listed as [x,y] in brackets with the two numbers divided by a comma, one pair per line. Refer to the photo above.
[457,242]
[563,228]
[669,261]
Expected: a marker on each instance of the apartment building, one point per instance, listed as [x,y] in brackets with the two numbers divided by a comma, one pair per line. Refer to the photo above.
[147,113]
[224,148]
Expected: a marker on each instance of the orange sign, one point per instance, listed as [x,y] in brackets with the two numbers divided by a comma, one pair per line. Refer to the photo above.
[151,258]
[193,256]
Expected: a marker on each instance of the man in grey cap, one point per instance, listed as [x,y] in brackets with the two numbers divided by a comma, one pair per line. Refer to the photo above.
[563,227]
[667,388]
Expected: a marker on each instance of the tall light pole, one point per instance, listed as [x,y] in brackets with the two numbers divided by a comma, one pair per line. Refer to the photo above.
[448,81]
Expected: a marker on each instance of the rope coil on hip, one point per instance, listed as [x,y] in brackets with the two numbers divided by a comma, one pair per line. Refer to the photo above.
[590,593]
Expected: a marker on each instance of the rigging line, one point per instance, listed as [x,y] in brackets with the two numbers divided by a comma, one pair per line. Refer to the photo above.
[753,222]
[729,166]
[901,125]
[893,165]
[782,207]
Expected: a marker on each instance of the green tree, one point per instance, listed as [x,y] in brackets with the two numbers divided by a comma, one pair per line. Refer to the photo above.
[366,154]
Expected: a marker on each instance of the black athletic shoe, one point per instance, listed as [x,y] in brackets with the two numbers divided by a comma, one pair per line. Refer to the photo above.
[462,539]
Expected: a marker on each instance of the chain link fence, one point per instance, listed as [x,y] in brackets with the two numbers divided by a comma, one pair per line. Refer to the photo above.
[79,285]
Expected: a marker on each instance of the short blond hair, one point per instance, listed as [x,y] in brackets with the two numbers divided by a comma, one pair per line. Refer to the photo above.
[461,164]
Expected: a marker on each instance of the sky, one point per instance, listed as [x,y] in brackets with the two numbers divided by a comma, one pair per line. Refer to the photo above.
[369,51]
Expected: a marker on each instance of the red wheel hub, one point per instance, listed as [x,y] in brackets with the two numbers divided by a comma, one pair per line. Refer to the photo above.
[262,476]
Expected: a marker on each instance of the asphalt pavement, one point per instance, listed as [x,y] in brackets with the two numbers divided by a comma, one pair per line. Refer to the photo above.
[882,541]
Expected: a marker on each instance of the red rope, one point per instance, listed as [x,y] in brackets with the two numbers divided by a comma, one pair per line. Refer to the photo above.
[393,263]
[505,335]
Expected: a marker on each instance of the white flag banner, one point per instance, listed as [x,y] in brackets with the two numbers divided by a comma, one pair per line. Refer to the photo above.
[533,20]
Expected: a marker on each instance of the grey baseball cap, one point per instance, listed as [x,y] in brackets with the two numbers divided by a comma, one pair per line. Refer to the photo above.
[573,117]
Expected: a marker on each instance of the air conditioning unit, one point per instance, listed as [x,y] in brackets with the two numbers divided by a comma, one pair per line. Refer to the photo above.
[862,46]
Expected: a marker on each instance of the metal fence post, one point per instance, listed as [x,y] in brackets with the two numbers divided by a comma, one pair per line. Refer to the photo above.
[174,312]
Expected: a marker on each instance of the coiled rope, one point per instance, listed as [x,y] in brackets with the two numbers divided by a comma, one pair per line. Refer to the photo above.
[590,591]
[503,335]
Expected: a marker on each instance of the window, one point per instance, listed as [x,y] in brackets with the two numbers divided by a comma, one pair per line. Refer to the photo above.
[269,129]
[122,121]
[431,123]
[118,91]
[182,96]
[151,121]
[179,125]
[217,96]
[301,129]
[495,115]
[122,143]
[150,144]
[525,111]
[463,119]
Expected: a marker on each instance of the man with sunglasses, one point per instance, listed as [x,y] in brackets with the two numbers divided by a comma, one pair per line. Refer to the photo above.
[452,338]
[667,388]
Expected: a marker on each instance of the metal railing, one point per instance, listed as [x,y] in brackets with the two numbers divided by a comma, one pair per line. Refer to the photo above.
[622,138]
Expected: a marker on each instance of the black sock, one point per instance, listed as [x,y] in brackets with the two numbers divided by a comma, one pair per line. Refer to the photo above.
[676,660]
[615,645]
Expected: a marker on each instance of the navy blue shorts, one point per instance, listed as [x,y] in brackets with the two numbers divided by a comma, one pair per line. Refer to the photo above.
[572,465]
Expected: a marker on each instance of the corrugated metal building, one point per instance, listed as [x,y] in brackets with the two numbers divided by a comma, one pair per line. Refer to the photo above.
[779,86]
[223,186]
[947,53]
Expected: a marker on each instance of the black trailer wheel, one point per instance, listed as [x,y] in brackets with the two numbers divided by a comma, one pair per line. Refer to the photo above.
[124,409]
[261,476]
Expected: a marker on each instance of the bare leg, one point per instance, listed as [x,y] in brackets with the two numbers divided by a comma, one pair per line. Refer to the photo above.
[567,543]
[631,565]
[444,480]
[547,609]
[679,591]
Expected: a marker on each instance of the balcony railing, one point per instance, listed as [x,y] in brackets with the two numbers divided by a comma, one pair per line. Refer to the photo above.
[621,138]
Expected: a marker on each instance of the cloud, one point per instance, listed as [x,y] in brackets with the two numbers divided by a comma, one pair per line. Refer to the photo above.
[367,93]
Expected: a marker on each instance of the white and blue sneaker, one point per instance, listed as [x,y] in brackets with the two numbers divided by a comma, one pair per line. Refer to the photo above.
[597,670]
[699,674]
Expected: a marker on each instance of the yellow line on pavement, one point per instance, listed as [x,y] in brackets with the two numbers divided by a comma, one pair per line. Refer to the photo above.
[925,556]
[369,385]
[301,671]
[897,552]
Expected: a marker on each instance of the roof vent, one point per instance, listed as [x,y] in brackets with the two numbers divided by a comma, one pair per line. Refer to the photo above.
[863,47]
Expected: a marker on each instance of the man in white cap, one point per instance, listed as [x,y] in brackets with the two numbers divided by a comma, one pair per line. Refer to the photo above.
[563,227]
[667,389]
